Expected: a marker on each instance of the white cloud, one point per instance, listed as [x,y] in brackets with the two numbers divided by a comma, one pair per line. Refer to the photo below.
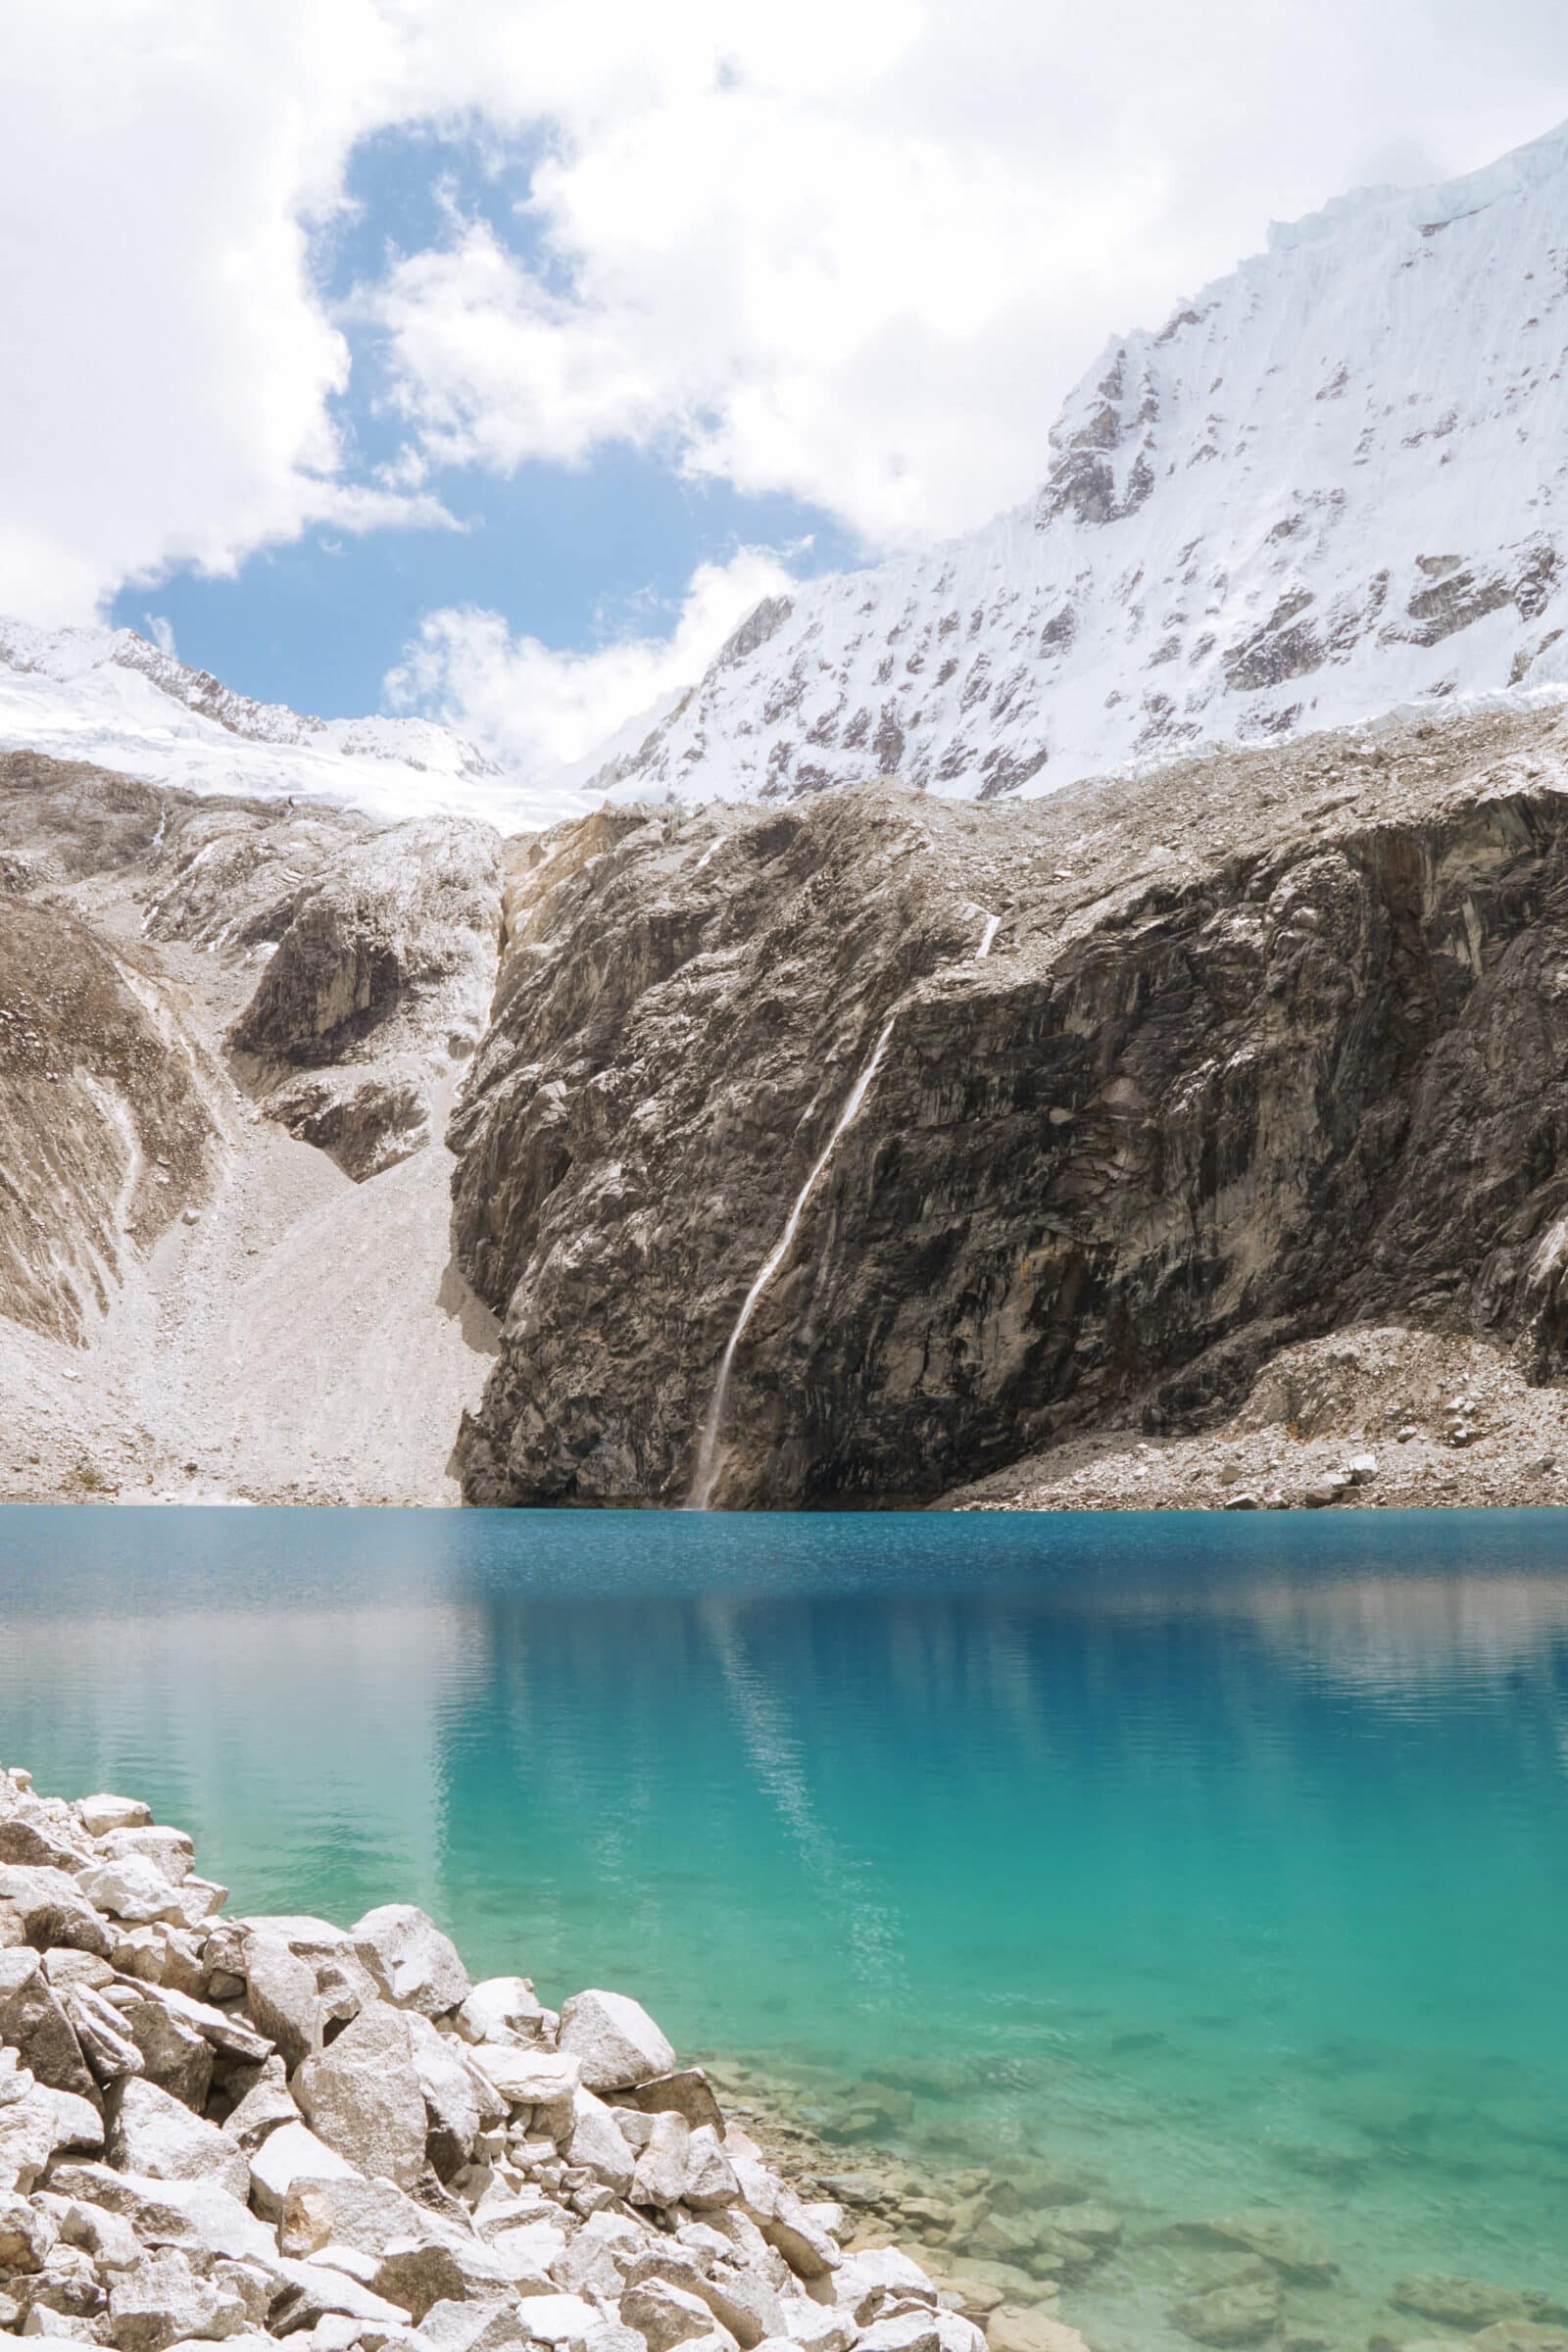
[855,253]
[859,255]
[545,714]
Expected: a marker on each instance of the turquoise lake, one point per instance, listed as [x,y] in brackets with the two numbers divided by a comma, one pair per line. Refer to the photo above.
[1221,1859]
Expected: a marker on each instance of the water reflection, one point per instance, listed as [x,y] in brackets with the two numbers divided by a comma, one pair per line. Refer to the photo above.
[1228,1859]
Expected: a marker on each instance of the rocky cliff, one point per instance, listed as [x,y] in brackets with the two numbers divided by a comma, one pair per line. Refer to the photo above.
[1147,1081]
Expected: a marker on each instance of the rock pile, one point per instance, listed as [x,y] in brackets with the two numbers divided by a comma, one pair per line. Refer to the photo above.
[245,2129]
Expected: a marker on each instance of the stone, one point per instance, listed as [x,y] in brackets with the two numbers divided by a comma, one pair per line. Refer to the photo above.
[1014,2329]
[35,2025]
[229,2035]
[457,2097]
[688,2092]
[659,2177]
[192,2213]
[1466,2303]
[816,2326]
[27,2234]
[414,1965]
[1522,2335]
[317,2289]
[744,2304]
[503,2007]
[131,1889]
[100,1815]
[289,2154]
[100,2035]
[557,2319]
[263,2108]
[1244,2312]
[171,2053]
[596,2141]
[164,2302]
[1362,1469]
[54,1910]
[613,2039]
[107,2236]
[596,2261]
[417,2273]
[27,1842]
[664,2315]
[171,1851]
[527,2076]
[470,2327]
[866,2279]
[151,2133]
[280,1996]
[902,2332]
[368,2217]
[65,1968]
[362,2096]
[710,2175]
[1285,2241]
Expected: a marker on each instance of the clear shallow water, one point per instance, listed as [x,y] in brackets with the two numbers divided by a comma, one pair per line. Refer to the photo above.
[1221,1861]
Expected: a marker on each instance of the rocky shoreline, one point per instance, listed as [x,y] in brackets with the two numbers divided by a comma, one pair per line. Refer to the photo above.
[251,2130]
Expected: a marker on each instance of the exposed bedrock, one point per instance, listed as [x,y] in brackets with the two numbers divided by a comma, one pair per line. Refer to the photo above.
[1270,1045]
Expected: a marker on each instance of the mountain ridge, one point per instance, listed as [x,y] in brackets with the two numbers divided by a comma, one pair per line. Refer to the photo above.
[1254,526]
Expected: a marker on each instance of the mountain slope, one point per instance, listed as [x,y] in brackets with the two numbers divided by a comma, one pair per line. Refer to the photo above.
[1335,482]
[108,697]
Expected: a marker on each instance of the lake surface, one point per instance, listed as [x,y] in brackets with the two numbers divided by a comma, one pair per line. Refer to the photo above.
[1215,1861]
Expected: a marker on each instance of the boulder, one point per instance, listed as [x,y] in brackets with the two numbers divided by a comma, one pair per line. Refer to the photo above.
[686,2092]
[192,2213]
[101,2036]
[287,2155]
[417,2273]
[163,2302]
[1243,2312]
[523,2075]
[659,2178]
[1284,2240]
[102,1814]
[863,2280]
[414,1965]
[1454,2302]
[281,1998]
[458,2101]
[170,1851]
[615,2040]
[471,2326]
[710,2175]
[559,2321]
[172,2052]
[362,2096]
[27,2234]
[153,2134]
[904,2332]
[265,2107]
[666,2316]
[54,1910]
[35,2024]
[596,2141]
[131,1889]
[31,1844]
[366,2217]
[596,2261]
[503,2008]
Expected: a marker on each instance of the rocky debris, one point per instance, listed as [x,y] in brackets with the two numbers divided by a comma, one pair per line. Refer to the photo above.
[1357,1420]
[373,2155]
[1199,1104]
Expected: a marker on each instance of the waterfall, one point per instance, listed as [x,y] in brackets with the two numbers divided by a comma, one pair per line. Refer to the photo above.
[705,1474]
[993,926]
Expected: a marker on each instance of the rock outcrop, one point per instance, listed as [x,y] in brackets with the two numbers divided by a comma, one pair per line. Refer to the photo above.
[379,984]
[265,2128]
[1167,1075]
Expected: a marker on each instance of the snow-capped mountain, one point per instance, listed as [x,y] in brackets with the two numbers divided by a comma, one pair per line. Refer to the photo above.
[110,697]
[1330,484]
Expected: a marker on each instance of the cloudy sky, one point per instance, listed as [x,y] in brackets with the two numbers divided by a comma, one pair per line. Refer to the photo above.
[491,356]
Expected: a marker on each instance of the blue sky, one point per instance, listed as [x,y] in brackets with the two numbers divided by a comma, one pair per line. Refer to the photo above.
[572,554]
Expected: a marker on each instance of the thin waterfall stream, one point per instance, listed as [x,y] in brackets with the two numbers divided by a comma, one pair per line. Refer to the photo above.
[706,1475]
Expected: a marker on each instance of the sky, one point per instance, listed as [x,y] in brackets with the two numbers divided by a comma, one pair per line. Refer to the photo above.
[492,357]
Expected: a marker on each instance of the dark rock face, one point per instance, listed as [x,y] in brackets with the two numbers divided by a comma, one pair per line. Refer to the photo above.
[1287,1067]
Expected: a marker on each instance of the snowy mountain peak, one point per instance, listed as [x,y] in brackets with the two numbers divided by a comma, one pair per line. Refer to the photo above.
[1331,483]
[111,697]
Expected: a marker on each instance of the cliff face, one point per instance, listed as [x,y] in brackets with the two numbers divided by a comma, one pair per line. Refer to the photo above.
[1271,1045]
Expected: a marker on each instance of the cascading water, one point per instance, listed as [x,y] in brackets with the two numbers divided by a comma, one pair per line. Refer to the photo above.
[705,1474]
